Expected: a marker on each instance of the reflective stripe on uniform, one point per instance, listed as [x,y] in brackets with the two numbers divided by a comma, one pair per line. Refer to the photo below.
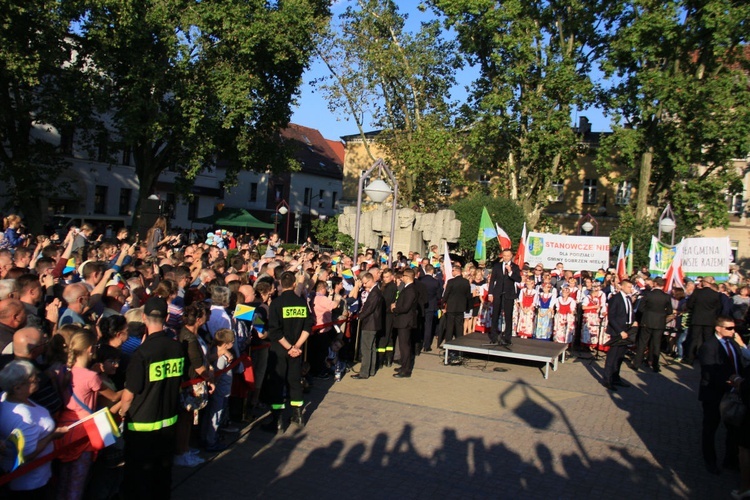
[277,407]
[389,348]
[151,426]
[296,403]
[381,349]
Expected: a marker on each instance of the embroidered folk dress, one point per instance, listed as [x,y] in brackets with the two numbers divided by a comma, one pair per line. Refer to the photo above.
[545,315]
[565,320]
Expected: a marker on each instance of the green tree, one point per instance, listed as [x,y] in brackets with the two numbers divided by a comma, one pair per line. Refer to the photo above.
[400,79]
[327,234]
[190,83]
[640,229]
[534,59]
[506,213]
[680,102]
[39,84]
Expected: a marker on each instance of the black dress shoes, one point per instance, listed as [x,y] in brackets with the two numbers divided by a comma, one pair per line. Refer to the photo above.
[609,386]
[621,383]
[357,376]
[657,369]
[400,375]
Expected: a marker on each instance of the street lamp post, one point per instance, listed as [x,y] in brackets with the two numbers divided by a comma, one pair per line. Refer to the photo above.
[283,209]
[667,223]
[378,190]
[588,225]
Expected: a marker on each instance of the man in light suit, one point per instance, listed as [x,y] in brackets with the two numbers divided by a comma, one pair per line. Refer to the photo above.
[620,327]
[371,322]
[653,309]
[502,286]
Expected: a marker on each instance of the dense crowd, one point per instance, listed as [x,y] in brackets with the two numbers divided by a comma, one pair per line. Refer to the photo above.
[185,337]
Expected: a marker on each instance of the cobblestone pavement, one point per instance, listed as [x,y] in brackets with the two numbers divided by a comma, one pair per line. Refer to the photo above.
[473,432]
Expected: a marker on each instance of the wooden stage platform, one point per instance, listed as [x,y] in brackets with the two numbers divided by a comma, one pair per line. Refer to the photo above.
[544,351]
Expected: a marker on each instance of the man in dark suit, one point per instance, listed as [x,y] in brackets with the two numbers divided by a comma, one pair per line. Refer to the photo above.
[421,290]
[502,286]
[389,291]
[370,323]
[720,358]
[404,321]
[653,309]
[704,306]
[620,325]
[457,298]
[434,291]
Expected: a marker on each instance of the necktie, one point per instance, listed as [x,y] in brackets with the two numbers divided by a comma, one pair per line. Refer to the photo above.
[628,309]
[730,352]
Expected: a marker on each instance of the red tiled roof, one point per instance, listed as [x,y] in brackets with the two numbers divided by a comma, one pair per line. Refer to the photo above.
[314,153]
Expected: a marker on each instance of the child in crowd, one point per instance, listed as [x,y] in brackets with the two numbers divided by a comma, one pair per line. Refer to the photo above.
[221,357]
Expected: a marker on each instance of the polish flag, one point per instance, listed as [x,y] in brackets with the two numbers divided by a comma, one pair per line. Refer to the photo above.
[675,275]
[520,257]
[502,238]
[100,428]
[622,272]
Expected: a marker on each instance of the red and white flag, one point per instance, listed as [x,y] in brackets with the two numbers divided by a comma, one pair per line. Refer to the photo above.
[675,275]
[520,257]
[100,428]
[447,266]
[622,272]
[502,238]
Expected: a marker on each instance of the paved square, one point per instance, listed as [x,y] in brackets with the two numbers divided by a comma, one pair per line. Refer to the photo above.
[472,432]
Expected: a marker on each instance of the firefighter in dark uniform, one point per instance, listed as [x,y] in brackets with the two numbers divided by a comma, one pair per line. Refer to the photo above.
[150,407]
[290,322]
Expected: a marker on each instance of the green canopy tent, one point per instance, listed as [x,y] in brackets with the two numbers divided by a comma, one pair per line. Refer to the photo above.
[241,218]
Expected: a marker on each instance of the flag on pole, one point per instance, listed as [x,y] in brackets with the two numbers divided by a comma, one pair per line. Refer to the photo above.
[502,238]
[520,257]
[447,267]
[100,428]
[244,312]
[486,232]
[629,257]
[622,272]
[675,275]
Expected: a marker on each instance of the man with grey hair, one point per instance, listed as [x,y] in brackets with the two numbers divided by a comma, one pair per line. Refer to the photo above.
[7,288]
[76,296]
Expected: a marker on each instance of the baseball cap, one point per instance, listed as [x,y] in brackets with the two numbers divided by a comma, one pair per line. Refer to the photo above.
[156,306]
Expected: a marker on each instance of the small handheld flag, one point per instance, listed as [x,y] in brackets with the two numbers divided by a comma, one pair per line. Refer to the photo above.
[100,428]
[244,312]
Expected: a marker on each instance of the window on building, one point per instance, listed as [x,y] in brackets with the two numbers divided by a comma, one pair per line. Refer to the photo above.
[253,191]
[321,195]
[624,192]
[589,191]
[102,144]
[66,139]
[126,155]
[193,208]
[125,196]
[308,196]
[735,203]
[334,195]
[558,191]
[100,200]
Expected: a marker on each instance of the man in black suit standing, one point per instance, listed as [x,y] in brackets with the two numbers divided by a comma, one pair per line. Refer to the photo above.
[390,291]
[621,323]
[434,290]
[502,286]
[404,321]
[720,358]
[370,323]
[704,306]
[457,298]
[653,309]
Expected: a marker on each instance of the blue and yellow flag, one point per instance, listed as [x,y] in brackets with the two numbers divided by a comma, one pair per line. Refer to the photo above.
[244,312]
[347,273]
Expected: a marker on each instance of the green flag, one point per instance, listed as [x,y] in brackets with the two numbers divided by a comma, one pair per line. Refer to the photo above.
[629,257]
[486,232]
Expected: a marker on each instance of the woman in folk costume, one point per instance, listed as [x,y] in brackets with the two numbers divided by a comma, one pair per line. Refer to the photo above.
[526,305]
[594,312]
[575,292]
[565,317]
[545,312]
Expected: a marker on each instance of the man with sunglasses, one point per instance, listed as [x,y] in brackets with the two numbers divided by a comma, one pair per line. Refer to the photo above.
[720,359]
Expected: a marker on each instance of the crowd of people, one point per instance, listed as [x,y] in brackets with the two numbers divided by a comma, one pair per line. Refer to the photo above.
[183,338]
